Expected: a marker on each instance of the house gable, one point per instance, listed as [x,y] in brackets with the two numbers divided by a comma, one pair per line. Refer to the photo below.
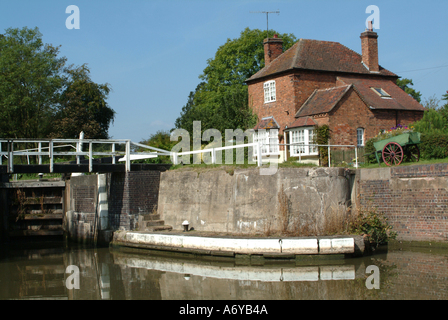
[322,101]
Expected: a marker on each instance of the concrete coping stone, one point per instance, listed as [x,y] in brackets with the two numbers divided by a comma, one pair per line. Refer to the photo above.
[236,245]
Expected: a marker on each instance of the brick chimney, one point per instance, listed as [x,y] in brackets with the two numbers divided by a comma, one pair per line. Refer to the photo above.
[369,45]
[273,47]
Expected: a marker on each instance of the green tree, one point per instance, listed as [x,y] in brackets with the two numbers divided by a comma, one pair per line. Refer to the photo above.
[41,97]
[189,113]
[444,109]
[221,100]
[31,78]
[161,140]
[83,107]
[432,122]
[405,85]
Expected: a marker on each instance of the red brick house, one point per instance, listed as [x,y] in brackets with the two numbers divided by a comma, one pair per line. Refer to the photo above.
[321,82]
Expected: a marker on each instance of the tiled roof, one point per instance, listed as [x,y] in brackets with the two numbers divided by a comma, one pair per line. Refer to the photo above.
[399,100]
[322,101]
[318,55]
[302,122]
[267,123]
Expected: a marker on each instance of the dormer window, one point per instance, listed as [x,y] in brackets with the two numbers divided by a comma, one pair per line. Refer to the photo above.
[381,92]
[269,91]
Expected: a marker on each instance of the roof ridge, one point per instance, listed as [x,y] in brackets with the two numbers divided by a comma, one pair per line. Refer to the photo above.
[333,88]
[342,95]
[296,54]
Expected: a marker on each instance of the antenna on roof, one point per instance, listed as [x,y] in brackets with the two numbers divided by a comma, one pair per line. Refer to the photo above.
[267,19]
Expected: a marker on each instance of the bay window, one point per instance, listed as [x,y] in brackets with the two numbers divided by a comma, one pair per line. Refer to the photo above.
[300,140]
[269,140]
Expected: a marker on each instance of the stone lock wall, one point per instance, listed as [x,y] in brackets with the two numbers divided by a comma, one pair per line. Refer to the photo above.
[81,193]
[247,202]
[309,200]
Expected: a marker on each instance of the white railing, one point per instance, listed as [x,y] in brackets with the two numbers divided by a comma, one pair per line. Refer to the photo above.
[324,145]
[213,151]
[52,144]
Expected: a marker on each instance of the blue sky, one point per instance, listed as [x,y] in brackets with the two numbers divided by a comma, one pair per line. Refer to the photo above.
[152,52]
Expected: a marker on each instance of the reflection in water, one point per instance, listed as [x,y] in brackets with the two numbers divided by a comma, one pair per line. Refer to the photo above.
[107,274]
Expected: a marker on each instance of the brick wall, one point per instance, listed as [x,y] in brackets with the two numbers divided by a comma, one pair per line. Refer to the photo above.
[350,114]
[292,90]
[130,195]
[413,198]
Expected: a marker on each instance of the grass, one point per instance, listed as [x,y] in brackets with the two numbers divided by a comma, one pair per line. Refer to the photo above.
[421,162]
[230,168]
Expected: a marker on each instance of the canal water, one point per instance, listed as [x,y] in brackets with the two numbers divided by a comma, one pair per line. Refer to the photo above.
[54,270]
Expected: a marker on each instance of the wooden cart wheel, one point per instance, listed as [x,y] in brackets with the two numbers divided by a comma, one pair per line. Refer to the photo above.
[412,153]
[392,154]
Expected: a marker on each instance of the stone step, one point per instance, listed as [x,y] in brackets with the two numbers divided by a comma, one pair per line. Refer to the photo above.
[22,233]
[45,200]
[158,228]
[44,216]
[48,211]
[148,217]
[154,223]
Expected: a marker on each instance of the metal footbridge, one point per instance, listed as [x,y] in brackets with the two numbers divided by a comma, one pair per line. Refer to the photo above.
[90,155]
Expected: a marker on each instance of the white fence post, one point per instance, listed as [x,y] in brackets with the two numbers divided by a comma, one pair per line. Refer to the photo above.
[11,156]
[329,159]
[174,157]
[90,157]
[128,156]
[260,157]
[39,149]
[213,156]
[50,151]
[113,151]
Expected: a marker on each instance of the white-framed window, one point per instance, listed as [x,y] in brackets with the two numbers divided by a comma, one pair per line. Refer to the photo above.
[269,140]
[360,137]
[304,137]
[269,91]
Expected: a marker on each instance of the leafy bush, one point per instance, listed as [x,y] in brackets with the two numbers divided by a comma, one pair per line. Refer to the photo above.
[374,224]
[322,136]
[369,152]
[432,122]
[434,145]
